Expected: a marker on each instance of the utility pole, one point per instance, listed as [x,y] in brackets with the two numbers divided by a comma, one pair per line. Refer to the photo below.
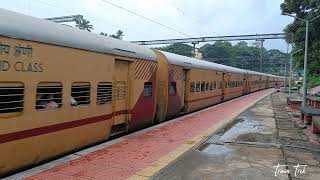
[261,46]
[290,71]
[305,66]
[285,74]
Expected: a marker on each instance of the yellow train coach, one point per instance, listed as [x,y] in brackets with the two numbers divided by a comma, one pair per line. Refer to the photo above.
[62,88]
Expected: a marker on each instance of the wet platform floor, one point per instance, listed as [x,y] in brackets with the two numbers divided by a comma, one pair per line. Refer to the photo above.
[250,147]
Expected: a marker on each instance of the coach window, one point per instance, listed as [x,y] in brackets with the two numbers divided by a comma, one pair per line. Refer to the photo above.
[80,92]
[198,87]
[104,92]
[11,97]
[211,85]
[203,84]
[192,87]
[147,91]
[173,88]
[49,96]
[207,86]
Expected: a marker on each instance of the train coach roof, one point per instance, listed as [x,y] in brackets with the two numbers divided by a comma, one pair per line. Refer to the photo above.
[196,63]
[25,27]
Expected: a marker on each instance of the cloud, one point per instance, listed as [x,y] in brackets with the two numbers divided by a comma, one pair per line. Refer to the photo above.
[195,18]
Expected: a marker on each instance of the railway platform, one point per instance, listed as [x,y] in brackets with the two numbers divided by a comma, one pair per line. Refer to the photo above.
[148,153]
[264,142]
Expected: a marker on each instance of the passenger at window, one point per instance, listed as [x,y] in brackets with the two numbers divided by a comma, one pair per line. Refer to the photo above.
[51,103]
[73,102]
[41,102]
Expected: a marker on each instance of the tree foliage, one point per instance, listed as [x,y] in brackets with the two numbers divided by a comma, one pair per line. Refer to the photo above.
[305,9]
[239,55]
[178,48]
[84,24]
[119,35]
[246,57]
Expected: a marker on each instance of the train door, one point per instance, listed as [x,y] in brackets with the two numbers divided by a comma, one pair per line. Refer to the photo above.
[223,85]
[120,96]
[245,84]
[184,91]
[260,83]
[162,88]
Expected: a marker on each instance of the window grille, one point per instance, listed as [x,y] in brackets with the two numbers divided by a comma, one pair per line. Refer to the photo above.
[11,97]
[49,95]
[104,92]
[120,90]
[198,87]
[192,87]
[207,86]
[203,86]
[211,85]
[147,91]
[80,92]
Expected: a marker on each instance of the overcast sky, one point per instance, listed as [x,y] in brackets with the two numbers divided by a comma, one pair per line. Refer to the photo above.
[190,17]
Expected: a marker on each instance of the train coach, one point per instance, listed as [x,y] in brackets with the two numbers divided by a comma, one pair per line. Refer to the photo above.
[62,88]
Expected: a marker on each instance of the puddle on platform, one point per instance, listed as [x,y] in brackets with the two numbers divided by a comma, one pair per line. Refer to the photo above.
[217,150]
[242,125]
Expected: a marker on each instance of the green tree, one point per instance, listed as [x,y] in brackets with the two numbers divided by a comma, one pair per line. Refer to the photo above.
[103,34]
[305,9]
[84,24]
[178,48]
[219,52]
[119,35]
[242,44]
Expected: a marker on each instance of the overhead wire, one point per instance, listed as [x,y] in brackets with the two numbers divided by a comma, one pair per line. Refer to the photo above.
[92,18]
[146,18]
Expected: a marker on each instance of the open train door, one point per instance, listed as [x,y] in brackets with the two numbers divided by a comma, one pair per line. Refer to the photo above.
[120,97]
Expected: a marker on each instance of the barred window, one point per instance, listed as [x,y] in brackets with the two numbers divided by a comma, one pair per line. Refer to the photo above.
[211,85]
[203,86]
[147,91]
[198,87]
[11,97]
[49,95]
[80,92]
[104,92]
[173,88]
[207,86]
[192,87]
[120,90]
